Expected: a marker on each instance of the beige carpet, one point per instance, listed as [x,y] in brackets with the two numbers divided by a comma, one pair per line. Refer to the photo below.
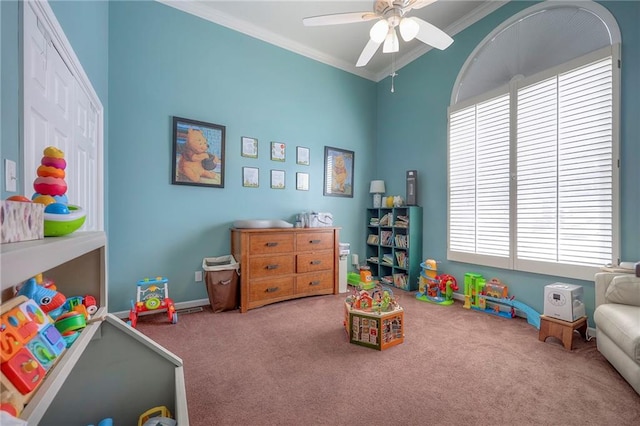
[291,364]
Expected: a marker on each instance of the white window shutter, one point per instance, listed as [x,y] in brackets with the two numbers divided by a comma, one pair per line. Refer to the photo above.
[479,178]
[585,162]
[462,185]
[564,162]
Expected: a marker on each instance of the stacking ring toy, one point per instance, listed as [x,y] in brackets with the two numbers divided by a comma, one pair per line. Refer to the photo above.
[69,322]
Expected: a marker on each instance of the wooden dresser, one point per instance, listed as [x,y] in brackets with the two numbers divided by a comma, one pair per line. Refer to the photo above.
[278,264]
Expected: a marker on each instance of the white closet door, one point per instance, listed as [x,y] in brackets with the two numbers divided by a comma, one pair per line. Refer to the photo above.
[58,112]
[48,96]
[83,183]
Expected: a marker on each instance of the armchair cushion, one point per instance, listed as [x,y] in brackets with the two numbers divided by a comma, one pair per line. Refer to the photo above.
[622,324]
[624,290]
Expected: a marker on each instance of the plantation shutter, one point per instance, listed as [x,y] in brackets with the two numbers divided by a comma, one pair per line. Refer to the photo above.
[565,167]
[479,178]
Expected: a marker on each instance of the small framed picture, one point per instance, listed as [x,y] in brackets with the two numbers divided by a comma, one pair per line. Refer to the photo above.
[249,147]
[277,179]
[250,177]
[338,172]
[302,181]
[278,151]
[302,156]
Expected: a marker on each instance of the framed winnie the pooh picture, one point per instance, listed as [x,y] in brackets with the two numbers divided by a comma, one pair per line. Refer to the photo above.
[338,172]
[198,153]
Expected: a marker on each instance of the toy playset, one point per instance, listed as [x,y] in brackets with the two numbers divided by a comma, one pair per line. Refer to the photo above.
[36,327]
[489,297]
[152,295]
[435,288]
[373,318]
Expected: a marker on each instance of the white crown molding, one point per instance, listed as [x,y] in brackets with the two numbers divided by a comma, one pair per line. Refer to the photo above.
[453,29]
[197,9]
[200,10]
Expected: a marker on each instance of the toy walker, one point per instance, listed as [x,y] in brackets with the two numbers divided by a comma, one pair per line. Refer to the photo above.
[152,295]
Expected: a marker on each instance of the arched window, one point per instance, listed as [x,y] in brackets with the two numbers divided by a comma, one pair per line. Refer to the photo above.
[533,144]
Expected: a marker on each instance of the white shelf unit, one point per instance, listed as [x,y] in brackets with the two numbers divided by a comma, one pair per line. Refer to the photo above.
[111,370]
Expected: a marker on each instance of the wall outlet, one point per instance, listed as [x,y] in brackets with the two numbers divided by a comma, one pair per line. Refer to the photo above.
[198,276]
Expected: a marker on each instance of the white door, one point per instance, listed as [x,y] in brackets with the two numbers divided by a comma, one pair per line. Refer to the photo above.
[58,112]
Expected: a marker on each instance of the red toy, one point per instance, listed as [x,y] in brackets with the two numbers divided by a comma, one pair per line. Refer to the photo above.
[152,295]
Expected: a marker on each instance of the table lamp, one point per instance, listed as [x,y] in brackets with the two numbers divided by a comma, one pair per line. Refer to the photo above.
[377,189]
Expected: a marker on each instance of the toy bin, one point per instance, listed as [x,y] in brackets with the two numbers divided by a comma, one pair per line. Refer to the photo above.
[120,374]
[221,277]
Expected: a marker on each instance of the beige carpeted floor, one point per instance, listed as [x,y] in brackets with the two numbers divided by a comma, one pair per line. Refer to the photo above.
[291,364]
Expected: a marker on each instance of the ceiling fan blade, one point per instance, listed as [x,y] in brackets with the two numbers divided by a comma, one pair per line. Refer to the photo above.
[419,4]
[367,53]
[432,35]
[339,18]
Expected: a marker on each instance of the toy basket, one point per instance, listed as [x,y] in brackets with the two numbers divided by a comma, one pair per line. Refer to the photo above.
[221,278]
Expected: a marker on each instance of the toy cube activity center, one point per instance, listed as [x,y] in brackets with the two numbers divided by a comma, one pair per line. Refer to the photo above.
[374,330]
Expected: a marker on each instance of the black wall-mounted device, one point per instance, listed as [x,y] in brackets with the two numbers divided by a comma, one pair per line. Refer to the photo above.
[412,188]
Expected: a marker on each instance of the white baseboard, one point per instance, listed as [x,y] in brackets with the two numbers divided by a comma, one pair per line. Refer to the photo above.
[181,305]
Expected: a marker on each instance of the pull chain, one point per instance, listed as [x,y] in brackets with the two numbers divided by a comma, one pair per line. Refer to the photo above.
[393,71]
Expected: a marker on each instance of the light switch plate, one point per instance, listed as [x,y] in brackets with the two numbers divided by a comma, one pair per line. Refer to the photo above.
[10,176]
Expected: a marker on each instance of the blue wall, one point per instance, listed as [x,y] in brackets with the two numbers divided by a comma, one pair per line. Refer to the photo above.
[148,62]
[9,106]
[414,135]
[164,63]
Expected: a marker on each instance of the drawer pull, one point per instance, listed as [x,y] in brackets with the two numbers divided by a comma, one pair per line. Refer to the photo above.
[273,267]
[316,262]
[314,283]
[272,244]
[314,241]
[272,289]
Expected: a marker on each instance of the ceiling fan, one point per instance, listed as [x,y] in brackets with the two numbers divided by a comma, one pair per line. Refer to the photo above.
[389,15]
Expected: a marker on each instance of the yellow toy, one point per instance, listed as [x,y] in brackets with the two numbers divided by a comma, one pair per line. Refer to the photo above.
[156,416]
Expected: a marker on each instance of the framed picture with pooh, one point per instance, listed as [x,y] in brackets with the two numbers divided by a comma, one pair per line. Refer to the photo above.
[338,172]
[198,153]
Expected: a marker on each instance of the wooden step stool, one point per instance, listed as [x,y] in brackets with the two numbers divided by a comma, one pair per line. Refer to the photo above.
[563,330]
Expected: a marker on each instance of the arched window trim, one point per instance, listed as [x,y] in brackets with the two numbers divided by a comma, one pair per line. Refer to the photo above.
[594,8]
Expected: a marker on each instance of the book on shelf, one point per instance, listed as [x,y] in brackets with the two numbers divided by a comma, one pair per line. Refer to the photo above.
[400,280]
[386,219]
[402,241]
[372,239]
[401,221]
[386,238]
[401,257]
[387,259]
[374,221]
[372,259]
[387,279]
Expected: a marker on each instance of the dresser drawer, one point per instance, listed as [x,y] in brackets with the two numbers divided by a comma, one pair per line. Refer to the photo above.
[316,261]
[310,241]
[314,282]
[276,288]
[270,243]
[270,266]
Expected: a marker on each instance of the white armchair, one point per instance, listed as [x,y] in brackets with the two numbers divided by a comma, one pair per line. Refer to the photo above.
[617,319]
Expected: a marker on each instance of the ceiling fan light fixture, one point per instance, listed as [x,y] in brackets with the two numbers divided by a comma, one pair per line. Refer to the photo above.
[379,31]
[391,43]
[409,29]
